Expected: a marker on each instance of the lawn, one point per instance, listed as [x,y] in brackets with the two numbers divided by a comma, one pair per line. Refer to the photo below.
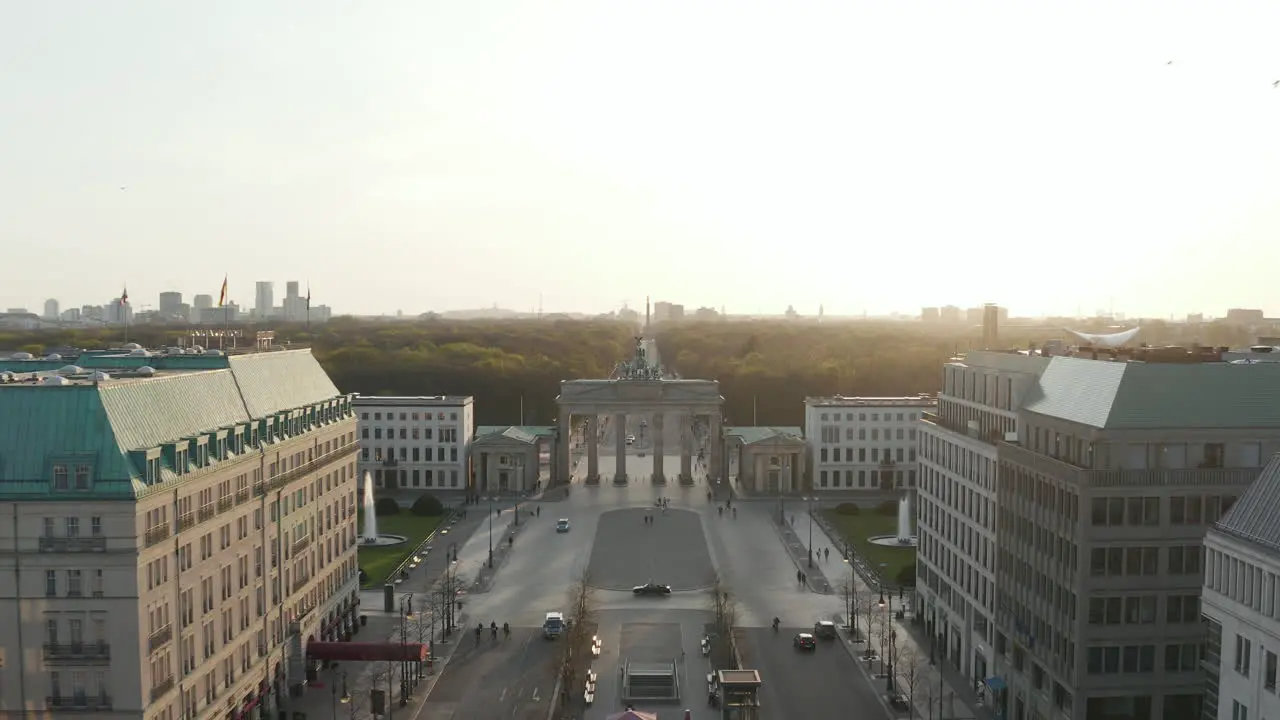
[857,528]
[378,562]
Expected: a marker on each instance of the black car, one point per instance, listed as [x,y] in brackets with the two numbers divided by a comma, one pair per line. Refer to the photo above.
[651,588]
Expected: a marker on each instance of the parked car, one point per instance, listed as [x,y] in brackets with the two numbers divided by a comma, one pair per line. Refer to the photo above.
[805,641]
[651,588]
[562,525]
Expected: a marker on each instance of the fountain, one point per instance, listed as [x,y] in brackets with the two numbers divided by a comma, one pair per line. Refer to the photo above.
[369,534]
[904,537]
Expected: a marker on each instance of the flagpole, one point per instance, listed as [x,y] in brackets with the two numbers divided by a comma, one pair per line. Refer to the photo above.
[308,307]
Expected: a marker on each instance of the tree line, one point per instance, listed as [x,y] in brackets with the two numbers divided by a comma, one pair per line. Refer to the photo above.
[765,368]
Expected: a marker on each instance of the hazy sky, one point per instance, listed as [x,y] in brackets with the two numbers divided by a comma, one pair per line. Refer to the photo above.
[859,154]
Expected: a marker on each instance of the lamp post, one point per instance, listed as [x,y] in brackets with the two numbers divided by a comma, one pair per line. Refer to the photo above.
[886,643]
[406,614]
[783,474]
[519,484]
[853,595]
[810,501]
[491,530]
[344,699]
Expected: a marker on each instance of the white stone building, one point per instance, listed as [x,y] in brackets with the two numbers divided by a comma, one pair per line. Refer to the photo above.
[171,533]
[1241,605]
[416,443]
[863,443]
[956,512]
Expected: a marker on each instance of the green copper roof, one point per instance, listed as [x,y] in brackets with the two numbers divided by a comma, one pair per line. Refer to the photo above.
[100,423]
[751,434]
[1154,396]
[535,430]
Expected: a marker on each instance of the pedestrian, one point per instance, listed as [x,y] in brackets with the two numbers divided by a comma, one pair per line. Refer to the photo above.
[826,553]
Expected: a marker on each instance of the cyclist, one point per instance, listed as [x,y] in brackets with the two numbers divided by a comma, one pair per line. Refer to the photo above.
[493,629]
[506,629]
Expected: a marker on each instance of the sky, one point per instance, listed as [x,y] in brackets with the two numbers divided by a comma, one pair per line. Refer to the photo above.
[859,155]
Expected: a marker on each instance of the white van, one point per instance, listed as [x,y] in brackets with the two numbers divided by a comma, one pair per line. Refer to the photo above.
[553,625]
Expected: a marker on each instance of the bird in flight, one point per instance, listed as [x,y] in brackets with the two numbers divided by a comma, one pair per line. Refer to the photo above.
[1275,84]
[124,187]
[1169,63]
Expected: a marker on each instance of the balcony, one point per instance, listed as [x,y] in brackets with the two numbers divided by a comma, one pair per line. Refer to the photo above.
[1159,477]
[79,702]
[186,521]
[887,462]
[73,544]
[242,496]
[156,534]
[160,689]
[300,545]
[160,637]
[259,489]
[285,478]
[990,435]
[225,504]
[300,583]
[77,653]
[205,513]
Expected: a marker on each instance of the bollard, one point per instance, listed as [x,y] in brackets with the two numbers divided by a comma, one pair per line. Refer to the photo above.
[388,598]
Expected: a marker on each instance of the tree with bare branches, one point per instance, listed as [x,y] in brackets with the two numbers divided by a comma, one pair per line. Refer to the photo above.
[580,616]
[723,606]
[872,617]
[910,666]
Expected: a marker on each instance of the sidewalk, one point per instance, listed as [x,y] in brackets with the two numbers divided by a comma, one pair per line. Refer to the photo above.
[936,688]
[798,549]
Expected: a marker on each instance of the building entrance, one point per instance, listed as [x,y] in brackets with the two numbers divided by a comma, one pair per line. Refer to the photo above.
[643,390]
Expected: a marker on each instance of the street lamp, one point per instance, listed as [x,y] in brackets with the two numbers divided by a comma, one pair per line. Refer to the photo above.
[810,501]
[406,614]
[853,596]
[783,472]
[886,644]
[519,459]
[491,530]
[346,696]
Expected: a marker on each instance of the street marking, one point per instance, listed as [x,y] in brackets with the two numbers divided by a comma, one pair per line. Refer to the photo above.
[535,694]
[503,696]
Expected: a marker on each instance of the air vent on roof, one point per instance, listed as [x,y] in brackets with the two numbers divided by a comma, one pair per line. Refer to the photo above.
[21,356]
[132,346]
[55,380]
[146,371]
[213,352]
[100,376]
[53,357]
[138,352]
[71,370]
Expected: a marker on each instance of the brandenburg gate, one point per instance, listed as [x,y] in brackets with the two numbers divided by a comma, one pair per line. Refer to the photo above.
[641,387]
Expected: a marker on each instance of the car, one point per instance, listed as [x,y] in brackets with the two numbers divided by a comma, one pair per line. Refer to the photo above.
[562,525]
[804,641]
[824,629]
[631,439]
[651,588]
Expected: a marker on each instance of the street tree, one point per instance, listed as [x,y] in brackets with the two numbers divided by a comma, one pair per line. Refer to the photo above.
[723,607]
[577,636]
[867,609]
[910,669]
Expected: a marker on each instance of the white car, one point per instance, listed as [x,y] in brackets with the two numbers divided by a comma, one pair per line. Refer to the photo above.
[562,525]
[631,439]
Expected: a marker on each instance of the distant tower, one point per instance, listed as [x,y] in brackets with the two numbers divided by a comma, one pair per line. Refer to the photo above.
[646,313]
[820,311]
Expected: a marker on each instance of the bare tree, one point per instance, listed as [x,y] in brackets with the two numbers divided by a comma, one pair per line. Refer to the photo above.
[868,610]
[581,616]
[723,607]
[910,668]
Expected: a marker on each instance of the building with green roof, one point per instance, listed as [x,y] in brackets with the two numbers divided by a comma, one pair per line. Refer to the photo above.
[147,498]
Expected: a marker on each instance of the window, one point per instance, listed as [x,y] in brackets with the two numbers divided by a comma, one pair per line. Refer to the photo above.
[1269,671]
[1238,711]
[48,527]
[1181,657]
[1244,651]
[95,526]
[1185,560]
[82,477]
[1182,609]
[50,583]
[73,527]
[73,583]
[61,477]
[1140,610]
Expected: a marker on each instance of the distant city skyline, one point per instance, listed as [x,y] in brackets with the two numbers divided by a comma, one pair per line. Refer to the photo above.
[876,157]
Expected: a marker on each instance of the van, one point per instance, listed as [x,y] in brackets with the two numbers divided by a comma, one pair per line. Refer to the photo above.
[553,625]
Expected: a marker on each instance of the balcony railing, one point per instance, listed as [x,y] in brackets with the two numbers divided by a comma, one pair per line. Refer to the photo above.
[77,653]
[285,478]
[79,702]
[205,513]
[1158,477]
[300,583]
[159,689]
[225,504]
[259,489]
[73,544]
[242,496]
[186,521]
[156,534]
[160,637]
[300,545]
[887,462]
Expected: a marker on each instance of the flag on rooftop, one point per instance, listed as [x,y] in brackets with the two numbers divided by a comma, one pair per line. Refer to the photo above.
[222,296]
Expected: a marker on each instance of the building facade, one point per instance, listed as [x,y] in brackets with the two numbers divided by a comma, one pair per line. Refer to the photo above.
[172,536]
[1106,484]
[956,512]
[1241,605]
[416,443]
[864,443]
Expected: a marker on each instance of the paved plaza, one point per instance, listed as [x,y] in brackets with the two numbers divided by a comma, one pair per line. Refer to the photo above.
[671,550]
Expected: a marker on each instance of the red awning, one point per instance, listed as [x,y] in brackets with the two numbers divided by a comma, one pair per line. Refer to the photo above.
[349,651]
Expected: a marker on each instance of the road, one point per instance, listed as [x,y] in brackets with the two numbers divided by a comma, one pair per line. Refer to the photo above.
[745,551]
[825,683]
[504,679]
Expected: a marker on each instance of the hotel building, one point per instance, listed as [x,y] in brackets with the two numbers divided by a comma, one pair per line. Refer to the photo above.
[864,443]
[171,529]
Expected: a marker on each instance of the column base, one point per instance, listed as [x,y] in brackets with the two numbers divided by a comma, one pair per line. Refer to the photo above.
[592,480]
[659,479]
[686,479]
[620,479]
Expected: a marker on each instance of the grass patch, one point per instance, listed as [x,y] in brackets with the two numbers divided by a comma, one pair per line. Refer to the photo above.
[378,562]
[857,528]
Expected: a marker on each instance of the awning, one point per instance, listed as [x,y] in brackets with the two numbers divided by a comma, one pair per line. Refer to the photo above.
[996,683]
[368,652]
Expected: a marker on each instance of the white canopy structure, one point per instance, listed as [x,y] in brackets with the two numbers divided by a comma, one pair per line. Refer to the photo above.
[1112,340]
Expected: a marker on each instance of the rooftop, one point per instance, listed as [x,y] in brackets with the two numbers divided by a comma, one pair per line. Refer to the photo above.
[754,434]
[922,400]
[1253,517]
[100,419]
[413,400]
